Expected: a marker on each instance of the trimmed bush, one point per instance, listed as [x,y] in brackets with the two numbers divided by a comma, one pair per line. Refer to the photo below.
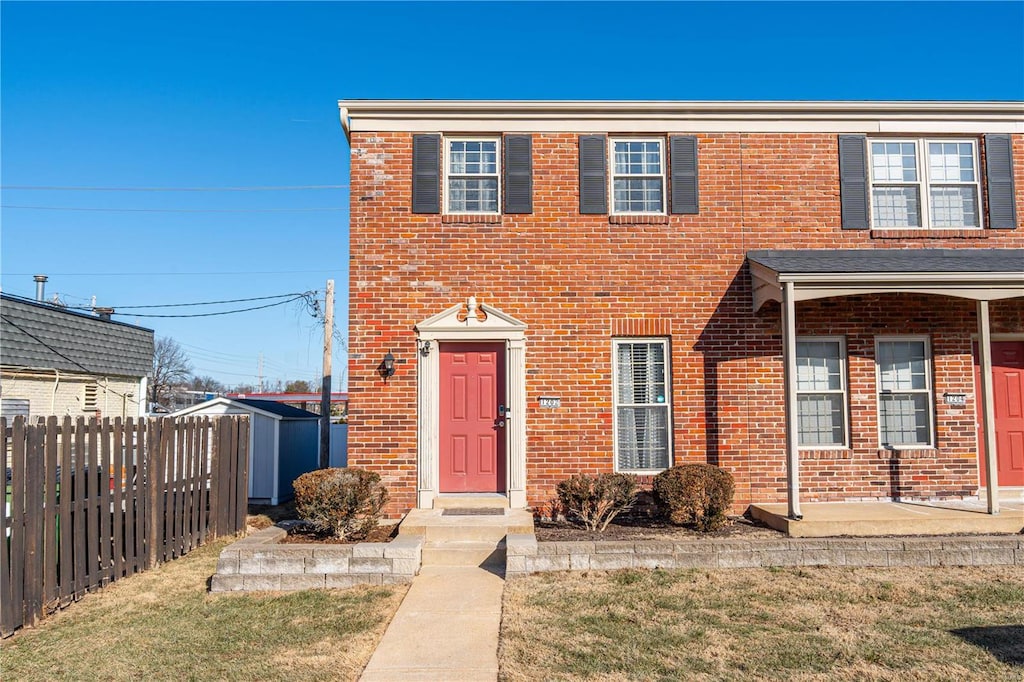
[345,503]
[698,494]
[596,500]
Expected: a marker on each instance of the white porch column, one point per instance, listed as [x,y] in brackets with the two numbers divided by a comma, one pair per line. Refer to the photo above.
[789,379]
[426,419]
[516,428]
[987,415]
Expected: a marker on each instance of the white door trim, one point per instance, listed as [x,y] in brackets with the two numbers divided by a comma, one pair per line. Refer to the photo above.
[465,322]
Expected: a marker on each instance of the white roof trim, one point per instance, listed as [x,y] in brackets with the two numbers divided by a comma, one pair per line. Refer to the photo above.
[224,401]
[977,286]
[672,116]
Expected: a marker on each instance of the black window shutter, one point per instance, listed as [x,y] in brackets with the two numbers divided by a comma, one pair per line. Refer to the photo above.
[684,174]
[593,184]
[518,174]
[1002,213]
[426,173]
[853,181]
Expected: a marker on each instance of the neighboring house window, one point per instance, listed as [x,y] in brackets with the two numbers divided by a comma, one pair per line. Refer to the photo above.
[472,172]
[14,407]
[638,176]
[904,392]
[925,184]
[89,400]
[821,392]
[640,380]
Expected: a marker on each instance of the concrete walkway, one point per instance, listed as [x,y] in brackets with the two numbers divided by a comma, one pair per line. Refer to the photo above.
[445,629]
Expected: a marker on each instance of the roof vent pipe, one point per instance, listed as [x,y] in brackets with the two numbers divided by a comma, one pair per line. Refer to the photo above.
[40,287]
[104,313]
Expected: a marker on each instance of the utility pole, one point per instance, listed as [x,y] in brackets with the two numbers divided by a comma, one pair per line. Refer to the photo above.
[325,389]
[259,375]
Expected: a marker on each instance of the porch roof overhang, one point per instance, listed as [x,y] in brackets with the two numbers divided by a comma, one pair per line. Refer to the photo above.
[976,274]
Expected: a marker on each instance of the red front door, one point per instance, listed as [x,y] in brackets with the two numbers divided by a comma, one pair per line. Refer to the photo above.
[472,445]
[1008,406]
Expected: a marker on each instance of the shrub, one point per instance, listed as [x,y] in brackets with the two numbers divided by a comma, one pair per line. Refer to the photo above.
[347,503]
[695,493]
[597,500]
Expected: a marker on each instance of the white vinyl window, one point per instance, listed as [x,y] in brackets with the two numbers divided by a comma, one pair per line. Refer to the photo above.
[472,172]
[904,392]
[925,184]
[821,392]
[640,379]
[638,176]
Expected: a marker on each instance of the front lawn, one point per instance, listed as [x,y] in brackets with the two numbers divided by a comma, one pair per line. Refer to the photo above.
[164,625]
[766,624]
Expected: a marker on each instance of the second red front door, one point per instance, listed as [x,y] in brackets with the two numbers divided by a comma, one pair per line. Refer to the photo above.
[1008,410]
[472,428]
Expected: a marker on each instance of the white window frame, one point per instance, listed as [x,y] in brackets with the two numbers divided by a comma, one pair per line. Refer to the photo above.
[843,390]
[924,181]
[616,342]
[448,176]
[928,391]
[612,176]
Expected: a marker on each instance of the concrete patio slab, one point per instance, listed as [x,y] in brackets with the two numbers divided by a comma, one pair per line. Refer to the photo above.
[832,519]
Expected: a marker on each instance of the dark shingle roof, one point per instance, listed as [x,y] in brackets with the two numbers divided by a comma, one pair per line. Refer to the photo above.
[277,408]
[840,261]
[45,336]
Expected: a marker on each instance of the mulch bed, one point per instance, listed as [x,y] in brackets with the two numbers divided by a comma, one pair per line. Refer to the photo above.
[649,528]
[299,535]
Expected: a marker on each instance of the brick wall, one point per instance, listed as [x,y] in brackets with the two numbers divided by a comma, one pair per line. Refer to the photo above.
[576,280]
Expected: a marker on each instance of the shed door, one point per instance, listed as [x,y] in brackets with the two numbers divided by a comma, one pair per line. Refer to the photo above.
[472,433]
[1008,407]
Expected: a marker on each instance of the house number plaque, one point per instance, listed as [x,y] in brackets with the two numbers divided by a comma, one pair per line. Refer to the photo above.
[550,401]
[955,399]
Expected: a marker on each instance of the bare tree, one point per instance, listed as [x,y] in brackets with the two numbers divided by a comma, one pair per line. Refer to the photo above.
[171,367]
[206,383]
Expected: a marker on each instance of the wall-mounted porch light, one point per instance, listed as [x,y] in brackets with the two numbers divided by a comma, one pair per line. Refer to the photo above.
[387,366]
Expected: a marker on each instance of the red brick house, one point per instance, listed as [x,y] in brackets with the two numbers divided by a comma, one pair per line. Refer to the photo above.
[794,291]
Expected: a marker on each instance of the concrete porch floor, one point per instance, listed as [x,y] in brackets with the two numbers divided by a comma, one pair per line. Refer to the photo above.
[831,519]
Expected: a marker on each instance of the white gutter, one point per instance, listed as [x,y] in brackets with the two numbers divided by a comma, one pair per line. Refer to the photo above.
[343,116]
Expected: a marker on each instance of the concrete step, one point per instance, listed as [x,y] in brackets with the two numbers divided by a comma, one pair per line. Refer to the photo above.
[434,526]
[471,501]
[464,554]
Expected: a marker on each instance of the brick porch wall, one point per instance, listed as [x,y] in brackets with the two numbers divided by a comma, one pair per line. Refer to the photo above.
[576,280]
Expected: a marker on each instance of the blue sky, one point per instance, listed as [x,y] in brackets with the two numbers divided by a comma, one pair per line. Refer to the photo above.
[215,95]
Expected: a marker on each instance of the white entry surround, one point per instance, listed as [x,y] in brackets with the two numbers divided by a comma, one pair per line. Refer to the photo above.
[466,322]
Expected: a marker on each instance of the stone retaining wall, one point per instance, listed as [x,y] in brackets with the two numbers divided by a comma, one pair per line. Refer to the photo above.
[526,555]
[259,562]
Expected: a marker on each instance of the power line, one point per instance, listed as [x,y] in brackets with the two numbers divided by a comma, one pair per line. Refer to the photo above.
[264,188]
[172,274]
[185,305]
[223,312]
[174,210]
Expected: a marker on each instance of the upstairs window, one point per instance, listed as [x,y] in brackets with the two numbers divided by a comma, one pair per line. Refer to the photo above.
[925,184]
[641,405]
[472,172]
[638,176]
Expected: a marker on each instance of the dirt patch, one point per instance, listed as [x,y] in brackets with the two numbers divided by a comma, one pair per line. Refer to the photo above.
[649,528]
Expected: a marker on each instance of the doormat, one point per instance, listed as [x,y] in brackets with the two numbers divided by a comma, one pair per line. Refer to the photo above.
[474,511]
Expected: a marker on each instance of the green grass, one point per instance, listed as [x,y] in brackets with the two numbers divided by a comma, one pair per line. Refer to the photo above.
[781,624]
[163,625]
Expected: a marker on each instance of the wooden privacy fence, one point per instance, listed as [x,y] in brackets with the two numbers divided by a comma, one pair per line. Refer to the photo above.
[91,501]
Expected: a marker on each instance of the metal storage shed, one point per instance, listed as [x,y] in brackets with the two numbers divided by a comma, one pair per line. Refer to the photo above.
[283,443]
